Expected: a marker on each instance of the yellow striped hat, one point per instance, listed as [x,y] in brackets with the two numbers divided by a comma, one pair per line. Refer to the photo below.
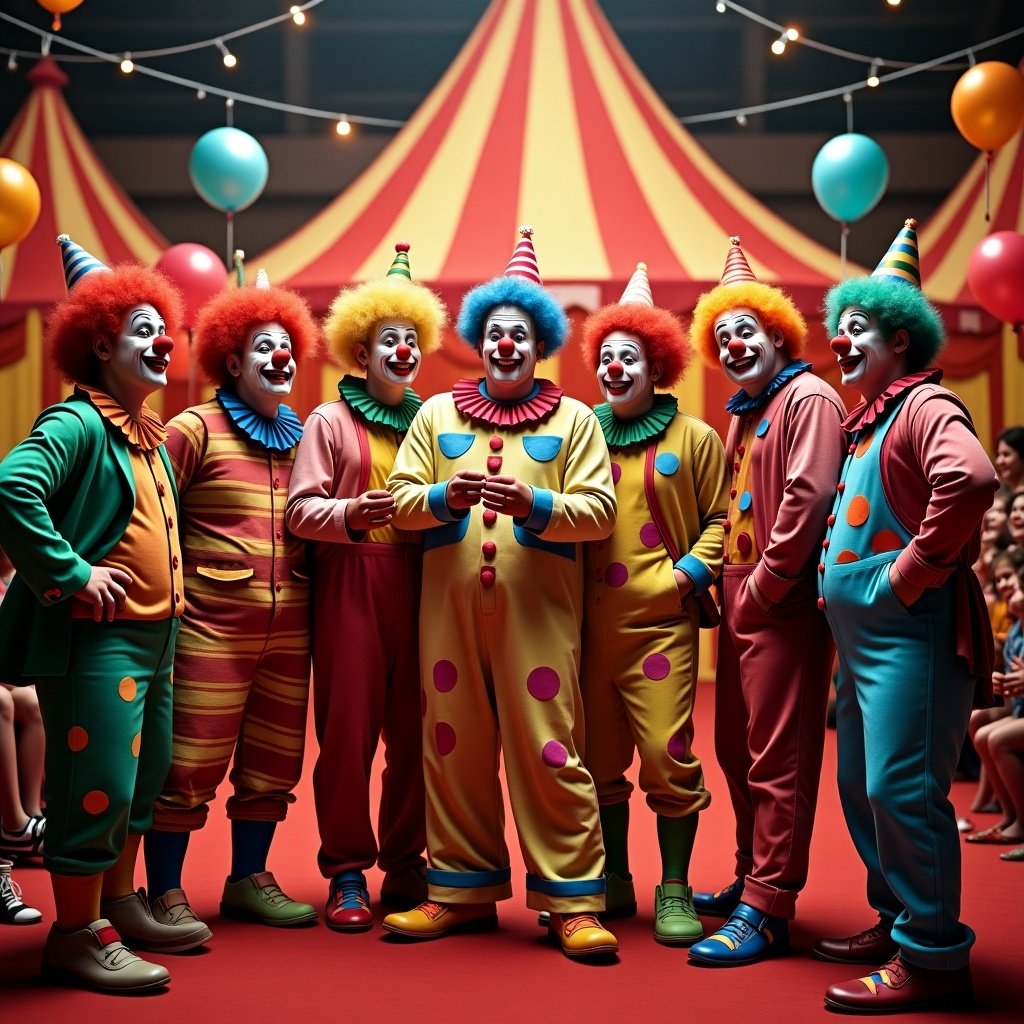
[902,260]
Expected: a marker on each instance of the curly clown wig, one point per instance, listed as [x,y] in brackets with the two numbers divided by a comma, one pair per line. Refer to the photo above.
[95,308]
[355,311]
[225,321]
[549,320]
[896,304]
[774,307]
[662,335]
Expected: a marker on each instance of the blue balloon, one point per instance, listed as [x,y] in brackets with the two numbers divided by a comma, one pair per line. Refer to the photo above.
[228,168]
[849,176]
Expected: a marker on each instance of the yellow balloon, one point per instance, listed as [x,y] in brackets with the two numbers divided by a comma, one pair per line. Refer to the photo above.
[19,202]
[57,8]
[988,104]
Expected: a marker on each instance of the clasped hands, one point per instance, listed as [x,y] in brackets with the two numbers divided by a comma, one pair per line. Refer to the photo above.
[505,494]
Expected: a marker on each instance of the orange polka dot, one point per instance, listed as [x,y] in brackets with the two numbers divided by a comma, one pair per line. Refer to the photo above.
[78,738]
[886,540]
[857,510]
[863,445]
[127,689]
[95,801]
[136,744]
[847,556]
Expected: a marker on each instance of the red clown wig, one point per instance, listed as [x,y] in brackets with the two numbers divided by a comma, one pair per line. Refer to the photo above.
[662,335]
[95,309]
[225,322]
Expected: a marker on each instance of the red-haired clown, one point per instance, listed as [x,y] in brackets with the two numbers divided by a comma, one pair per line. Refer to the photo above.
[87,515]
[638,670]
[785,445]
[241,673]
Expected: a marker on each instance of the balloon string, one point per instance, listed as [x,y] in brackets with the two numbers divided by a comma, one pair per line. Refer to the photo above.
[231,237]
[988,166]
[842,247]
[191,388]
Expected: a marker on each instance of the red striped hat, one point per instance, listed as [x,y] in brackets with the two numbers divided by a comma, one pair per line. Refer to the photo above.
[737,269]
[524,259]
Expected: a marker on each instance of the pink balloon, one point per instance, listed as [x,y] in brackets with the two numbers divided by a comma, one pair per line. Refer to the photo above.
[995,275]
[198,273]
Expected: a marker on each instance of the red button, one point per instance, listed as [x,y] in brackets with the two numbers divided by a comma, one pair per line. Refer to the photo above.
[494,463]
[487,576]
[736,466]
[725,559]
[277,587]
[277,483]
[732,493]
[170,522]
[488,548]
[841,486]
[174,561]
[489,516]
[727,526]
[852,448]
[160,489]
[177,598]
[831,520]
[496,444]
[824,543]
[278,535]
[740,449]
[821,603]
[821,568]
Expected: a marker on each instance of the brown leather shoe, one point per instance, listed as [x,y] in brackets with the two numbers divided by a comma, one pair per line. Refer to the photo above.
[95,957]
[897,987]
[871,946]
[432,920]
[581,936]
[134,922]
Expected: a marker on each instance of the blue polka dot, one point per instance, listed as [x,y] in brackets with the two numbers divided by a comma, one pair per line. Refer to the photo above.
[666,463]
[454,445]
[745,501]
[762,428]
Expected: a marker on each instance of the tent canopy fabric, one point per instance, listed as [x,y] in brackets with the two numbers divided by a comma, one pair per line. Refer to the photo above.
[544,119]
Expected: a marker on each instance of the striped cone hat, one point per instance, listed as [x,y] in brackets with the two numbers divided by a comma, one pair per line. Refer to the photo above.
[262,280]
[524,259]
[77,262]
[400,264]
[737,269]
[902,261]
[639,288]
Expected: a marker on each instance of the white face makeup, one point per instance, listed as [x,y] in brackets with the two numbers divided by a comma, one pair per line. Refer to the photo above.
[510,352]
[868,361]
[625,376]
[137,363]
[750,356]
[264,369]
[394,355]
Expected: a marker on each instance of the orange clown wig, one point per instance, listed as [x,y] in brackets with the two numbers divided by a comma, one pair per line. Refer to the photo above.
[660,332]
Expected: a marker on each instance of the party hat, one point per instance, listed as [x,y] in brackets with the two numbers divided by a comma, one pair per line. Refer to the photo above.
[262,281]
[77,262]
[524,259]
[737,269]
[639,288]
[400,264]
[902,260]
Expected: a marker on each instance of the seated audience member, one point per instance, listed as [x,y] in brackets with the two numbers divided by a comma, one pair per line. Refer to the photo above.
[1009,458]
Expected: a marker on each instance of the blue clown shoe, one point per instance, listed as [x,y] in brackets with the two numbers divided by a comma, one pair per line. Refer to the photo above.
[721,903]
[746,938]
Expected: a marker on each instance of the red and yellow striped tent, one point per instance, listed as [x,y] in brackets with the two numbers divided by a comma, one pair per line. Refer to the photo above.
[984,359]
[78,197]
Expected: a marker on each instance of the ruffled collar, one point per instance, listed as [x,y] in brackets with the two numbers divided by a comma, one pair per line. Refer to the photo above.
[147,432]
[621,433]
[741,402]
[471,399]
[397,417]
[280,434]
[865,414]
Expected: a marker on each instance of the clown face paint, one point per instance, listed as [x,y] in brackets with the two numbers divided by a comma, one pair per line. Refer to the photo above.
[136,364]
[392,360]
[264,368]
[510,351]
[750,356]
[625,376]
[868,361]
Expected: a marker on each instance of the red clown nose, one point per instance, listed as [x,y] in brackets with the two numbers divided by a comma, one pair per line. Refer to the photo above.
[506,347]
[402,352]
[840,344]
[615,368]
[163,345]
[280,359]
[737,347]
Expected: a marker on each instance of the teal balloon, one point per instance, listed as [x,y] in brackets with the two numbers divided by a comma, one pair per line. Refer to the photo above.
[849,176]
[228,168]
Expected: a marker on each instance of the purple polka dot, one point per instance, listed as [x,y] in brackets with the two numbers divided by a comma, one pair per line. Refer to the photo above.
[650,537]
[616,574]
[543,683]
[678,748]
[616,472]
[445,676]
[656,666]
[444,737]
[554,754]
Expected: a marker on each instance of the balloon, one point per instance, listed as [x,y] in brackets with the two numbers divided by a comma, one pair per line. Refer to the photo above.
[995,275]
[849,176]
[57,8]
[988,104]
[228,169]
[19,202]
[198,273]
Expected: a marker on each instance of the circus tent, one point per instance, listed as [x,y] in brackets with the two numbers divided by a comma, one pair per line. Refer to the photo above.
[78,197]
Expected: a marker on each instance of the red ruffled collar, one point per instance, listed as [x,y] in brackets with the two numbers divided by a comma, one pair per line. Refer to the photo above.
[867,412]
[472,400]
[147,432]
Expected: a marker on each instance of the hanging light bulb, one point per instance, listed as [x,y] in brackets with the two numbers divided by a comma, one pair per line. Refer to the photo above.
[298,14]
[893,3]
[779,46]
[343,127]
[127,65]
[229,59]
[873,80]
[12,62]
[720,7]
[200,94]
[792,34]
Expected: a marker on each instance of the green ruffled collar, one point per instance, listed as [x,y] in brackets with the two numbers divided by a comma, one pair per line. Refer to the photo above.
[397,417]
[653,423]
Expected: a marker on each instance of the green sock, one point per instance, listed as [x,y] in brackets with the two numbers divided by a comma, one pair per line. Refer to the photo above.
[615,826]
[675,840]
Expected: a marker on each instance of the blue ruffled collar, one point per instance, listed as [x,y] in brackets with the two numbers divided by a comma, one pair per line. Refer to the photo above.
[277,435]
[741,402]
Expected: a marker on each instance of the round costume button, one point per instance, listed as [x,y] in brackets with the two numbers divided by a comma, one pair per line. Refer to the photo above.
[821,568]
[277,587]
[732,493]
[852,448]
[727,526]
[278,535]
[840,487]
[496,444]
[170,522]
[161,490]
[825,543]
[174,561]
[821,603]
[831,520]
[277,483]
[488,548]
[177,598]
[494,463]
[736,467]
[725,559]
[490,516]
[740,449]
[487,576]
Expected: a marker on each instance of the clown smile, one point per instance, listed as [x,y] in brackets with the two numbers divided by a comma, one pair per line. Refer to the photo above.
[275,376]
[507,365]
[617,387]
[742,366]
[401,369]
[156,364]
[848,364]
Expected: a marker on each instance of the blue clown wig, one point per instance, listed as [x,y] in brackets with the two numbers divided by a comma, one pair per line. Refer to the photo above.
[549,321]
[896,304]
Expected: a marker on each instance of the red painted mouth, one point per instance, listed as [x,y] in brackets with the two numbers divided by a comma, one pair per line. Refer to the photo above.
[741,366]
[506,365]
[401,369]
[850,363]
[276,376]
[156,364]
[617,387]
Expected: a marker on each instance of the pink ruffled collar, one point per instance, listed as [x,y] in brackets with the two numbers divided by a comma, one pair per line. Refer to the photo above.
[472,400]
[867,412]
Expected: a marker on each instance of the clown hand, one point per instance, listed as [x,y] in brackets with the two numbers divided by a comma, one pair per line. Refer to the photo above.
[508,495]
[369,510]
[464,489]
[105,592]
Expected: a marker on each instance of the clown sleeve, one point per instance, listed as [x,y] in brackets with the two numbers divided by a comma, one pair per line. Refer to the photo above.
[711,488]
[186,447]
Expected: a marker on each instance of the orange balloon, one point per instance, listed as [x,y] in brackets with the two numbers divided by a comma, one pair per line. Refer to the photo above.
[988,104]
[19,202]
[57,8]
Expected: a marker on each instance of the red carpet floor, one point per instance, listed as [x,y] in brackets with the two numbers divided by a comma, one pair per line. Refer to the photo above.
[252,974]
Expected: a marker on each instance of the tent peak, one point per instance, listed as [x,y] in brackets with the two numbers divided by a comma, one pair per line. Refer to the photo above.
[47,74]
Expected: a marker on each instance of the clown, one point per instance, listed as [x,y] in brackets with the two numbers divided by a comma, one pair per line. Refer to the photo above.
[241,673]
[786,446]
[913,635]
[638,670]
[366,585]
[507,476]
[87,510]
